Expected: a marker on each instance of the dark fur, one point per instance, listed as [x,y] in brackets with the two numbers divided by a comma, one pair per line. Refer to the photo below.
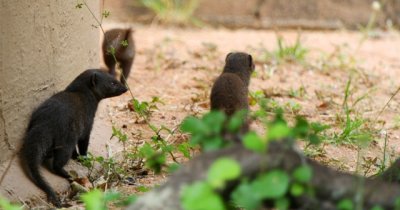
[62,122]
[124,55]
[230,91]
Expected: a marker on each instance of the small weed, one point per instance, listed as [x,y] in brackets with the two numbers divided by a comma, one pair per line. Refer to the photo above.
[173,11]
[293,107]
[209,51]
[155,153]
[98,200]
[353,126]
[297,93]
[290,53]
[367,31]
[145,108]
[112,170]
[284,52]
[339,59]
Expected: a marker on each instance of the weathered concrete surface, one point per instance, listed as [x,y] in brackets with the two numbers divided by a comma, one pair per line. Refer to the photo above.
[44,45]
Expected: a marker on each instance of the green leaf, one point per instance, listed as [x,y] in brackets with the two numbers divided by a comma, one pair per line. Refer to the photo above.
[194,126]
[253,142]
[173,167]
[301,128]
[143,189]
[200,196]
[397,203]
[127,201]
[296,189]
[222,170]
[106,14]
[111,196]
[345,204]
[213,143]
[377,208]
[146,150]
[6,205]
[318,127]
[278,131]
[282,204]
[314,139]
[243,196]
[303,174]
[272,185]
[184,148]
[155,162]
[237,120]
[94,200]
[153,128]
[124,43]
[214,120]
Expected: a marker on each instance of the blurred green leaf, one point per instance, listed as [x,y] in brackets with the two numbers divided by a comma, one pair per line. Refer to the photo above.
[253,142]
[222,170]
[201,196]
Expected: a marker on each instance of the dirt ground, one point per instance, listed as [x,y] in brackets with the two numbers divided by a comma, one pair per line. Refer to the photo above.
[179,66]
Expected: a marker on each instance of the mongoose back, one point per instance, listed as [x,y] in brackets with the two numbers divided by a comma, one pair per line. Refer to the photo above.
[230,91]
[124,55]
[62,122]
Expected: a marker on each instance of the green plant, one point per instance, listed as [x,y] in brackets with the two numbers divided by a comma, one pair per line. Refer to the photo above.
[98,200]
[201,195]
[290,53]
[153,154]
[376,7]
[297,93]
[353,127]
[6,205]
[284,53]
[178,12]
[145,108]
[111,168]
[272,185]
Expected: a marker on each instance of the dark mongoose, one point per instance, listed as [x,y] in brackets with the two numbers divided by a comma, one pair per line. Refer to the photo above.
[230,91]
[124,54]
[62,122]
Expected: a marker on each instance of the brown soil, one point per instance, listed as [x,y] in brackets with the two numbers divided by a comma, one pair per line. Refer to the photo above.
[180,65]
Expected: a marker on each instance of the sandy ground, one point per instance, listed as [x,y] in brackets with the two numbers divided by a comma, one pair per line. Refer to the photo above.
[180,65]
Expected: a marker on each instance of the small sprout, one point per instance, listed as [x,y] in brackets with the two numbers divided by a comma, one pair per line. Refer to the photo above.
[111,50]
[106,13]
[124,43]
[79,5]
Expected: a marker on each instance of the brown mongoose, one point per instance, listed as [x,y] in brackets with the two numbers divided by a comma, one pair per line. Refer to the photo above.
[115,40]
[230,91]
[62,122]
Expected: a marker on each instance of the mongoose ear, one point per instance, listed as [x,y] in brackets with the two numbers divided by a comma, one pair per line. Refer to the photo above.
[226,59]
[250,59]
[93,79]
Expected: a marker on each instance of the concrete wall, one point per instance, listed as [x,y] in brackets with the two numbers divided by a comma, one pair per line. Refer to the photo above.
[312,14]
[44,45]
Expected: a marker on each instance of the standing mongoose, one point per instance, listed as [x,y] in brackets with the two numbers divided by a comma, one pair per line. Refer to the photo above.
[115,40]
[62,122]
[230,91]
